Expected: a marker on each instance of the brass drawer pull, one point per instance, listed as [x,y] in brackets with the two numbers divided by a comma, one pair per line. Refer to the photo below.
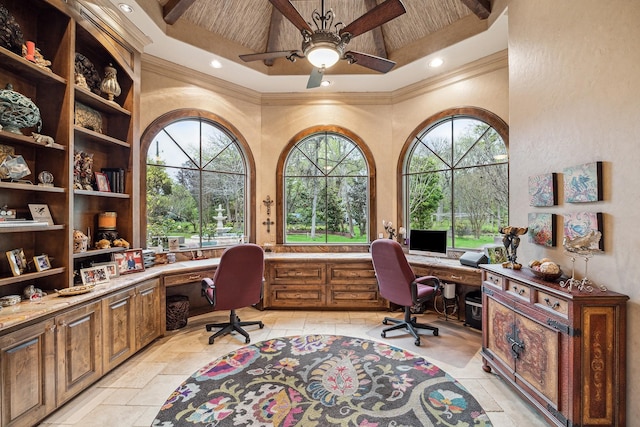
[194,277]
[454,277]
[554,305]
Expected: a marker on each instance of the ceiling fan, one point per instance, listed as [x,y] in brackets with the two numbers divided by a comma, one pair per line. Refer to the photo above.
[324,46]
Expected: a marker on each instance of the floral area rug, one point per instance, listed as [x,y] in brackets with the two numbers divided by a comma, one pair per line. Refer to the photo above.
[321,380]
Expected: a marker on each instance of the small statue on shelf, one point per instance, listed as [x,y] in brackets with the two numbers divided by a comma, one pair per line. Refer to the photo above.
[511,241]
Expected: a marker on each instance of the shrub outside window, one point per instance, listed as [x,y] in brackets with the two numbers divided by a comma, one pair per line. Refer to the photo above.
[196,189]
[456,178]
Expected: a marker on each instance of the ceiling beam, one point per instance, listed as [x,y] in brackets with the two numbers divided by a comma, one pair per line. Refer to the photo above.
[482,8]
[174,10]
[274,24]
[376,33]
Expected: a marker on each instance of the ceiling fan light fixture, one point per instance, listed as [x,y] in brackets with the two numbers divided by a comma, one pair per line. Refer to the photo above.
[323,56]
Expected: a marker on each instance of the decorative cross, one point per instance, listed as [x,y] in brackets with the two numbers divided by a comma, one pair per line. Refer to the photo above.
[268,202]
[268,223]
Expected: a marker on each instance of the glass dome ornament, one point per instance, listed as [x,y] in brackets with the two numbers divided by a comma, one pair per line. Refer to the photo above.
[17,111]
[109,85]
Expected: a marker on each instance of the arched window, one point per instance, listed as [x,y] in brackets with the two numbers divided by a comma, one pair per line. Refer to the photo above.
[455,176]
[197,181]
[326,182]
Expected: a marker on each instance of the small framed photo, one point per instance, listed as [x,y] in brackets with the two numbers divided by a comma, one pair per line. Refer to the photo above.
[40,213]
[42,262]
[102,182]
[95,275]
[17,261]
[496,254]
[174,243]
[129,261]
[112,268]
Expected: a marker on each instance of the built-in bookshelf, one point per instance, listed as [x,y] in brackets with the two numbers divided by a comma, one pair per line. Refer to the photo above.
[60,31]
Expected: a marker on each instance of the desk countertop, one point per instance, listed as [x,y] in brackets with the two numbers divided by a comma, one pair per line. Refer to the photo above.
[27,311]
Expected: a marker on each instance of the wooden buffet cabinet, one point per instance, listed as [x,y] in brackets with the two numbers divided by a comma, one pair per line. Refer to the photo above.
[562,351]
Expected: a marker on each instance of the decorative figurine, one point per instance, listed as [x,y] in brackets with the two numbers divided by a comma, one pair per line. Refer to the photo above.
[109,85]
[511,241]
[388,227]
[17,111]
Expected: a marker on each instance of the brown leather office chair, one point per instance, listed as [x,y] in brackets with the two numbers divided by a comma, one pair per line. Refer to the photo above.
[398,284]
[237,283]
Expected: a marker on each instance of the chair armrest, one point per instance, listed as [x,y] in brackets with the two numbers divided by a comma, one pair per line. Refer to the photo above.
[424,280]
[207,284]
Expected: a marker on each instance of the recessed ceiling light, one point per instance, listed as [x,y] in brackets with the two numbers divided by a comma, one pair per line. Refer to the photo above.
[436,62]
[326,83]
[125,8]
[216,64]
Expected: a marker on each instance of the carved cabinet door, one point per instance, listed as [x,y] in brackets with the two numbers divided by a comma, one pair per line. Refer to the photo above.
[527,350]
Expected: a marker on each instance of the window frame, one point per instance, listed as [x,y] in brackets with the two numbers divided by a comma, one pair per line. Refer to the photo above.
[168,118]
[280,178]
[486,116]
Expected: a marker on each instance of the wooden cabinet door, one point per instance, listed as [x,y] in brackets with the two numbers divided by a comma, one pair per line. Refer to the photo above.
[27,362]
[78,350]
[118,326]
[150,312]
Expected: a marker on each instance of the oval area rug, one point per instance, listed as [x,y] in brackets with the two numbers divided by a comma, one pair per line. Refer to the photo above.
[320,380]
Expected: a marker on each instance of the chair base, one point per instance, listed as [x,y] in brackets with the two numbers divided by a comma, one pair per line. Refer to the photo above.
[408,323]
[234,324]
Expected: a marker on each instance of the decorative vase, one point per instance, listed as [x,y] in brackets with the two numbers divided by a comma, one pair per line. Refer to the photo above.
[109,85]
[17,111]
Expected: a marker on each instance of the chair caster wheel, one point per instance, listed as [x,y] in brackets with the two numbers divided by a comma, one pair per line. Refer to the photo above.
[261,325]
[417,342]
[435,333]
[384,322]
[383,335]
[211,341]
[247,341]
[209,328]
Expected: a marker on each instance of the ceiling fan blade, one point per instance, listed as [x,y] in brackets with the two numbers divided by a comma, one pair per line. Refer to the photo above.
[291,13]
[372,62]
[384,12]
[315,78]
[267,55]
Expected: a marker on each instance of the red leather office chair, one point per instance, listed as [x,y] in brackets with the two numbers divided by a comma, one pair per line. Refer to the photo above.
[236,284]
[398,284]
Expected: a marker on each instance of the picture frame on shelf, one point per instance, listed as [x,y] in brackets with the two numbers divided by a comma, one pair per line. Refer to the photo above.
[17,261]
[42,262]
[129,261]
[496,254]
[112,268]
[95,275]
[41,212]
[102,182]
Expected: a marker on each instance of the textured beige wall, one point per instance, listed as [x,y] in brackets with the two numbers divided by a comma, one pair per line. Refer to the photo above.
[269,122]
[574,98]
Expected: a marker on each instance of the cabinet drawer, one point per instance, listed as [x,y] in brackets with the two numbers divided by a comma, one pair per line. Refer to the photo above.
[285,296]
[494,279]
[519,290]
[457,276]
[550,302]
[360,273]
[355,296]
[297,273]
[193,276]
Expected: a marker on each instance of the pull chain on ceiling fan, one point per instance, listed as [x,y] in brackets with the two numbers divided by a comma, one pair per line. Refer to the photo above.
[323,47]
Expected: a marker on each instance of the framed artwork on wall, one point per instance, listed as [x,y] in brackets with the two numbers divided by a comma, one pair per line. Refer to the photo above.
[583,183]
[542,229]
[543,190]
[583,224]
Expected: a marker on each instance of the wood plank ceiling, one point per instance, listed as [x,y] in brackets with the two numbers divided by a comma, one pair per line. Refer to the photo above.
[233,27]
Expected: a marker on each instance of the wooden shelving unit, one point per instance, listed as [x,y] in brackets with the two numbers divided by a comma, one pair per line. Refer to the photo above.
[60,30]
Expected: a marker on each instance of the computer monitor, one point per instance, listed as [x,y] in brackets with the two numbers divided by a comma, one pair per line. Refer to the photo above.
[428,242]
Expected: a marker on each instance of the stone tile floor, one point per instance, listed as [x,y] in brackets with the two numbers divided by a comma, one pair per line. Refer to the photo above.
[132,394]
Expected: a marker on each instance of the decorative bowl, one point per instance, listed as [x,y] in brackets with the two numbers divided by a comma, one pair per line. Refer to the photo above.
[549,277]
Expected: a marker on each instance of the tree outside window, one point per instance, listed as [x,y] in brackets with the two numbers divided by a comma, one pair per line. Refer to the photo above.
[196,185]
[456,178]
[326,191]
